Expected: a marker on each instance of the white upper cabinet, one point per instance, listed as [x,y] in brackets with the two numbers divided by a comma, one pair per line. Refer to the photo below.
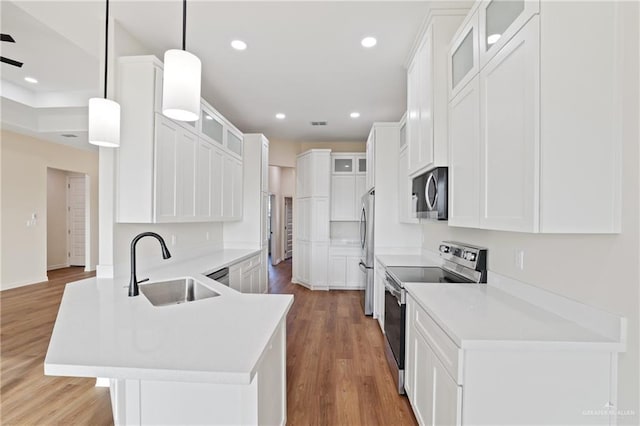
[169,171]
[427,97]
[464,156]
[510,139]
[530,148]
[348,184]
[464,58]
[500,20]
[212,126]
[406,207]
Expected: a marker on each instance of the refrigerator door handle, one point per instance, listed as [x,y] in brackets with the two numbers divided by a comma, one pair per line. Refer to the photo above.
[363,228]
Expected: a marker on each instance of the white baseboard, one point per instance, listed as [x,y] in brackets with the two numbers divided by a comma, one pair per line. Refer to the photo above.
[23,283]
[59,266]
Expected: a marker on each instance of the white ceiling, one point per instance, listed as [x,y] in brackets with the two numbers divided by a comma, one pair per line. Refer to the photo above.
[304,58]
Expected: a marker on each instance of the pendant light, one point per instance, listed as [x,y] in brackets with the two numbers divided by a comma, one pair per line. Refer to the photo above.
[181,81]
[104,114]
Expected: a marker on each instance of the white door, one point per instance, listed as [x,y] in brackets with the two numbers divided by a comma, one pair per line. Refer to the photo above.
[76,198]
[337,271]
[447,396]
[227,189]
[288,227]
[165,159]
[237,190]
[186,175]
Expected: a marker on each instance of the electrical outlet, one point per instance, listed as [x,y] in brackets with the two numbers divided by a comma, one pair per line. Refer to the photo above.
[518,259]
[173,240]
[207,235]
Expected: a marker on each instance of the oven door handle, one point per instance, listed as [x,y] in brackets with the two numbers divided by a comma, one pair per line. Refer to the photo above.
[395,292]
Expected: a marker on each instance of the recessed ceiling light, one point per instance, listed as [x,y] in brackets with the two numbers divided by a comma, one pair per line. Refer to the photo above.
[369,41]
[280,116]
[354,115]
[238,44]
[493,38]
[30,80]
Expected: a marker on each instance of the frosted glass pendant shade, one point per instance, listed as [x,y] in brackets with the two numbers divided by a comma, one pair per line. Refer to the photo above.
[104,122]
[181,85]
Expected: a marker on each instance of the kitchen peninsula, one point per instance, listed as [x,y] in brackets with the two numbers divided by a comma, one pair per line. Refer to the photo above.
[220,360]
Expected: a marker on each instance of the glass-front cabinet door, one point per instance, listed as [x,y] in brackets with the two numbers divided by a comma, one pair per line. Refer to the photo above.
[342,165]
[499,21]
[463,64]
[234,143]
[362,165]
[212,126]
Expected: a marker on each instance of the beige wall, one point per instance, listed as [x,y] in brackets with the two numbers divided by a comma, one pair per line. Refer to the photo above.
[599,270]
[283,153]
[24,192]
[56,219]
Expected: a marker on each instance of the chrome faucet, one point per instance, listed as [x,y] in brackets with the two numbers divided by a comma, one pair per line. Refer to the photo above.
[133,283]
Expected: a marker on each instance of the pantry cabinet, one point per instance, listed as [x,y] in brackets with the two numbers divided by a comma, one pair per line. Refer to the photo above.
[311,209]
[169,171]
[544,147]
[427,97]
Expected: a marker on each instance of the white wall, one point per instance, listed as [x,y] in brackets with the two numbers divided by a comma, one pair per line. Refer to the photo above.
[24,191]
[599,270]
[56,219]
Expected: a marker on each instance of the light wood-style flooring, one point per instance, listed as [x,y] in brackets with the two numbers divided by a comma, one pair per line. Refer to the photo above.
[27,396]
[337,373]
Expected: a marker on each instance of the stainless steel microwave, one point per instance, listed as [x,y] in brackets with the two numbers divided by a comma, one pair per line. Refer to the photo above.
[430,194]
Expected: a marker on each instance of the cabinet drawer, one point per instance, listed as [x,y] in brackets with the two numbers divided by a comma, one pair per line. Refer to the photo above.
[254,261]
[444,348]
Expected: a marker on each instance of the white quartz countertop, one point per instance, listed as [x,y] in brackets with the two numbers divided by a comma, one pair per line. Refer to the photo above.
[478,316]
[101,332]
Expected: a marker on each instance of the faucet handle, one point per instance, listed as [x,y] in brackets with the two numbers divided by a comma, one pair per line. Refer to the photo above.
[143,280]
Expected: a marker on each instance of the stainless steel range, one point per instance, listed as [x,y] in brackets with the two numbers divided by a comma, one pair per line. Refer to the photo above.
[461,264]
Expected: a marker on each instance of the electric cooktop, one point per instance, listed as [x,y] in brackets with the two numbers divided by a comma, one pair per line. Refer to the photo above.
[434,274]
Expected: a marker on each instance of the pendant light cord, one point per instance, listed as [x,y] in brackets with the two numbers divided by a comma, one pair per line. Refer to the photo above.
[184,24]
[106,50]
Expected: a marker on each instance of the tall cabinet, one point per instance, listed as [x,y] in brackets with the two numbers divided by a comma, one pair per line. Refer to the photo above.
[253,230]
[311,244]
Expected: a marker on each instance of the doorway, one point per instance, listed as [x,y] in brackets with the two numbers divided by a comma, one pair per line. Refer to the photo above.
[288,227]
[67,219]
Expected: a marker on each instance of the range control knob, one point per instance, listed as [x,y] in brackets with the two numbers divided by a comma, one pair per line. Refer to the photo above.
[470,256]
[444,249]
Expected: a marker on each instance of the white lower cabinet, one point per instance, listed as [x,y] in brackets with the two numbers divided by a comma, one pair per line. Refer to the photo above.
[496,384]
[344,270]
[248,276]
[434,394]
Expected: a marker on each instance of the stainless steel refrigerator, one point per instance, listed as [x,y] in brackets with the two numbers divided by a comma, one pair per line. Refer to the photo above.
[366,245]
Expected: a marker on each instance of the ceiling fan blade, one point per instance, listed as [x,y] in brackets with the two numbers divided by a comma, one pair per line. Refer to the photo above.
[7,37]
[11,62]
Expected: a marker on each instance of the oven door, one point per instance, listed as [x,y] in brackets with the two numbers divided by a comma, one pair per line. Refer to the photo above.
[394,319]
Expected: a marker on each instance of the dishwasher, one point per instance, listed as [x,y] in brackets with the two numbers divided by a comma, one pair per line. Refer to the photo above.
[221,275]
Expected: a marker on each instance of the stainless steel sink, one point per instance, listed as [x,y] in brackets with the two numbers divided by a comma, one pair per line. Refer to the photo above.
[173,292]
